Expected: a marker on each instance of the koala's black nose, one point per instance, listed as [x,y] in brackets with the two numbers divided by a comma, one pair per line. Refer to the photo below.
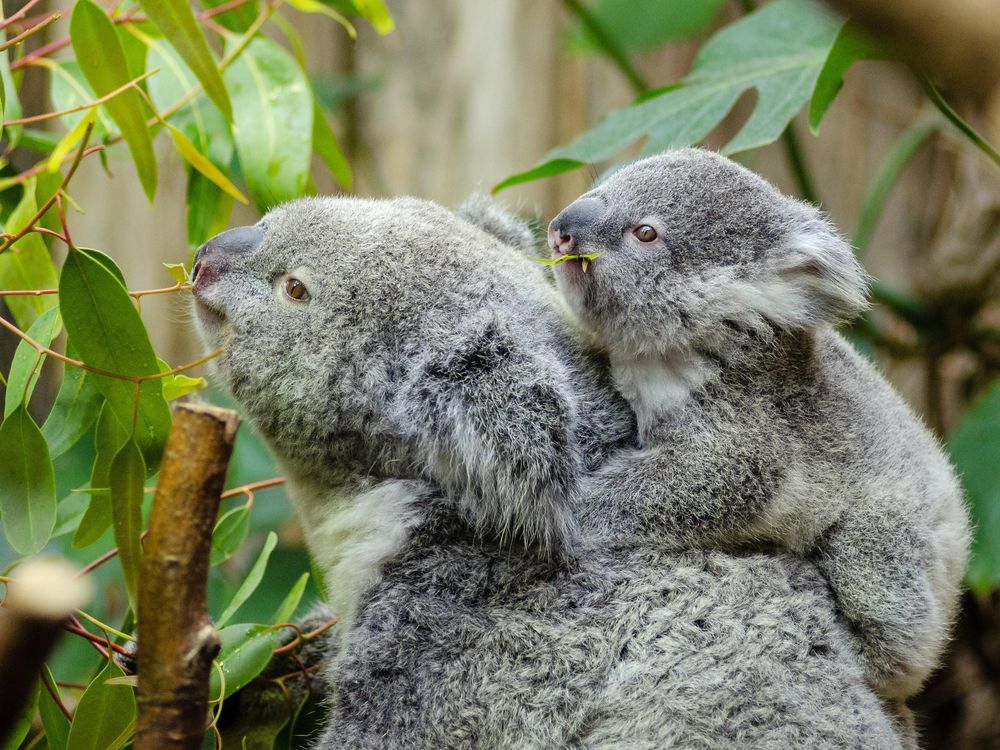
[566,229]
[238,240]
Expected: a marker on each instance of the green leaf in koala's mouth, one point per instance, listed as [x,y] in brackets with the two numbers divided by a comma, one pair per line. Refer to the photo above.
[584,259]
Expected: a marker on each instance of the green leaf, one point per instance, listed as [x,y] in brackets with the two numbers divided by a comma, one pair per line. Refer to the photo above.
[637,25]
[178,272]
[178,24]
[246,650]
[54,721]
[778,50]
[203,165]
[27,363]
[287,607]
[68,142]
[128,472]
[27,484]
[251,582]
[70,513]
[200,120]
[315,6]
[975,451]
[77,405]
[26,264]
[106,329]
[376,14]
[102,59]
[272,121]
[230,532]
[329,151]
[852,44]
[109,437]
[103,713]
[547,168]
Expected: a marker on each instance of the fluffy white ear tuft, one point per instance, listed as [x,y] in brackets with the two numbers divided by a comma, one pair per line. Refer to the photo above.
[487,214]
[813,278]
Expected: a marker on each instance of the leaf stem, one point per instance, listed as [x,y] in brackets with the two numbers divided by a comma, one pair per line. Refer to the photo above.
[956,119]
[607,43]
[17,16]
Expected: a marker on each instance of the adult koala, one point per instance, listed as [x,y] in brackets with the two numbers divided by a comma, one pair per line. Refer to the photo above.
[434,412]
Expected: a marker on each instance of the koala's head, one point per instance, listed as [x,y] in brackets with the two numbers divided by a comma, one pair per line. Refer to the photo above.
[394,339]
[697,250]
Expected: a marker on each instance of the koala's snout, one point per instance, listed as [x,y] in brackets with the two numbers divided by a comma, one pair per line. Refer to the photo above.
[566,229]
[212,254]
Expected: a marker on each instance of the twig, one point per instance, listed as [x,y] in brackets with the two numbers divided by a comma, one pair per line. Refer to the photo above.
[137,293]
[133,84]
[177,641]
[48,203]
[17,16]
[15,40]
[252,487]
[54,692]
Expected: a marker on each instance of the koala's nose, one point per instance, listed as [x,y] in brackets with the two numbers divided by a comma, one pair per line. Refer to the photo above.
[566,229]
[230,242]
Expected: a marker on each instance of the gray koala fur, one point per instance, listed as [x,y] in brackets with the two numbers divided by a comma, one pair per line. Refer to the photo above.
[436,414]
[757,421]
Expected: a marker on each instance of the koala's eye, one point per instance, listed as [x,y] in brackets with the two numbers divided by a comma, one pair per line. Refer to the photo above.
[645,233]
[296,290]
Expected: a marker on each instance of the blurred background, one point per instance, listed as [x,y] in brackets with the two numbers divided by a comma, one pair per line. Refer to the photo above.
[463,94]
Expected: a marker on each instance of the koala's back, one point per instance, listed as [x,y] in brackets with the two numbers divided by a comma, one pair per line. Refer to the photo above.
[460,646]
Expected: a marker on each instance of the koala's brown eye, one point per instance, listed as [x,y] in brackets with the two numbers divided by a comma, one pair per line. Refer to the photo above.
[296,290]
[645,233]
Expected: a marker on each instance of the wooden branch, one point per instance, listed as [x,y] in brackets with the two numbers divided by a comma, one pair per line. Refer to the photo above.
[42,594]
[177,640]
[956,42]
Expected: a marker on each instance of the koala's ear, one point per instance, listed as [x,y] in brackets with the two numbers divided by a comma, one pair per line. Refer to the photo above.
[482,211]
[495,424]
[813,276]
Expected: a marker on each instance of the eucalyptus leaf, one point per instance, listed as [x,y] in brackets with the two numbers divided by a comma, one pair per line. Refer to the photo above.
[852,44]
[328,149]
[176,20]
[230,532]
[11,108]
[106,329]
[109,437]
[26,264]
[272,121]
[236,19]
[27,363]
[102,60]
[289,604]
[103,713]
[251,582]
[76,407]
[126,479]
[27,483]
[975,451]
[208,209]
[54,721]
[246,650]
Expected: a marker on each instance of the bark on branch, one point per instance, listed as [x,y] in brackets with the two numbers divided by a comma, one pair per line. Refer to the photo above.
[177,641]
[41,597]
[956,42]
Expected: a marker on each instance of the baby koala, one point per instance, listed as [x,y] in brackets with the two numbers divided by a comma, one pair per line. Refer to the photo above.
[715,297]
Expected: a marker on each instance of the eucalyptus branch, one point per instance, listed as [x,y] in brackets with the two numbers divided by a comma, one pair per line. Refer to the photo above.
[17,16]
[136,293]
